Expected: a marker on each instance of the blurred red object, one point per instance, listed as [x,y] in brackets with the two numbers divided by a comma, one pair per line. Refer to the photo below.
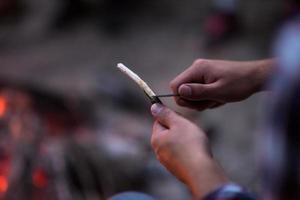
[40,178]
[3,185]
[3,106]
[220,27]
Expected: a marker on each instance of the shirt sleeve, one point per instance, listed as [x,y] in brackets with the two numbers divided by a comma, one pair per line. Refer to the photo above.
[230,192]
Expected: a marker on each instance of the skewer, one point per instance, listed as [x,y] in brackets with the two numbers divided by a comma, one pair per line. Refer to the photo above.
[168,95]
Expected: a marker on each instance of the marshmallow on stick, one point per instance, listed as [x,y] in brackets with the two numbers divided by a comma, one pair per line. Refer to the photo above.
[142,84]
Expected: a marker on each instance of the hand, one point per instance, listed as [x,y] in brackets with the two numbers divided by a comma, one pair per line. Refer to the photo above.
[211,83]
[184,150]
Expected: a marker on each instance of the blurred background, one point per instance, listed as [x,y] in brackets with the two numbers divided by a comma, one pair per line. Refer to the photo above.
[73,127]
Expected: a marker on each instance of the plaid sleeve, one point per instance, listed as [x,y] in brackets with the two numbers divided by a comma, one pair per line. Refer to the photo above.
[230,192]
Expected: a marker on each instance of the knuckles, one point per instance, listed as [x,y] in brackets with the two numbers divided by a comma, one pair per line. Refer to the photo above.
[173,85]
[200,62]
[166,113]
[154,142]
[162,144]
[201,65]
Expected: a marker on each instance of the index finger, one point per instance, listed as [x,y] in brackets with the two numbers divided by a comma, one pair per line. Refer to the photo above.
[190,75]
[158,128]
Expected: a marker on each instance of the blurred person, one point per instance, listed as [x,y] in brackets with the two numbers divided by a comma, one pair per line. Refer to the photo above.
[222,23]
[183,148]
[291,8]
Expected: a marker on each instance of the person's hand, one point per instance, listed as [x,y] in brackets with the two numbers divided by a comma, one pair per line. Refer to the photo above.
[211,83]
[184,150]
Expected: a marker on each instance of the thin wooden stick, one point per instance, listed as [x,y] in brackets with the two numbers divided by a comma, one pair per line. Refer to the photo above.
[142,84]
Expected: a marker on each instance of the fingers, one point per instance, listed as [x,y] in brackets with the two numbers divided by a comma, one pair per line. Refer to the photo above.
[196,91]
[198,105]
[158,128]
[165,116]
[192,74]
[157,133]
[217,105]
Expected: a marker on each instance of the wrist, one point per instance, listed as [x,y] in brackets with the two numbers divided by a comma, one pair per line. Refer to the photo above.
[261,74]
[206,176]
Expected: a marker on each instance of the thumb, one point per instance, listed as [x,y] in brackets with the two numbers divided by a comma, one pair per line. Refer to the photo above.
[197,91]
[164,115]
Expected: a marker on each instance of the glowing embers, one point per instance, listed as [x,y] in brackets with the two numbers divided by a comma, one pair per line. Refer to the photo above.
[3,106]
[40,178]
[3,185]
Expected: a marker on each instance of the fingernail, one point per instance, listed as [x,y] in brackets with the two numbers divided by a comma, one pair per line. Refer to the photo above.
[156,109]
[185,90]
